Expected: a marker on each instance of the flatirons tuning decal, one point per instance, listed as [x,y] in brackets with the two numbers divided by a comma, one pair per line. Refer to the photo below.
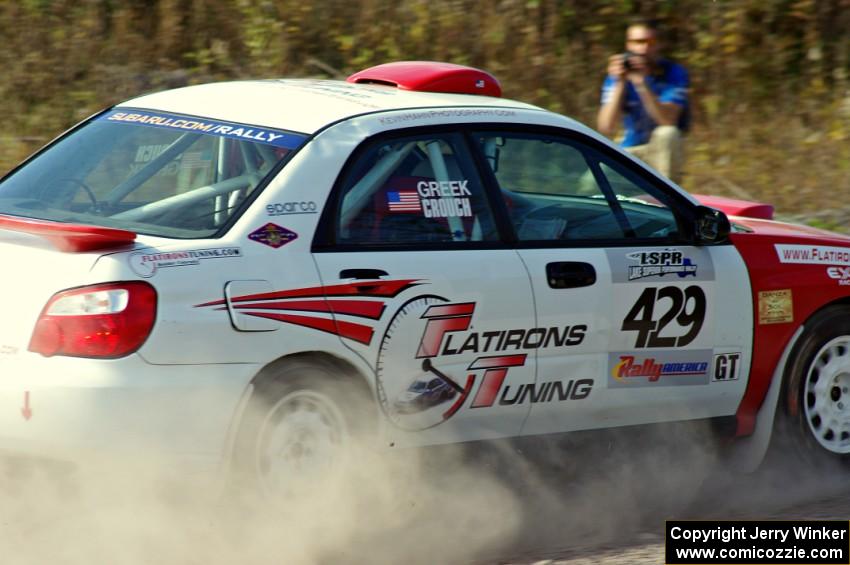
[316,307]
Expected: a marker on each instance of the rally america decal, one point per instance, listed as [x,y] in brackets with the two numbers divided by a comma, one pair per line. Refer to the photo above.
[205,126]
[630,369]
[421,383]
[660,264]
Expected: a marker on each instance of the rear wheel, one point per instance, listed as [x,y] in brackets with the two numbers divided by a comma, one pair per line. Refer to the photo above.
[816,399]
[301,427]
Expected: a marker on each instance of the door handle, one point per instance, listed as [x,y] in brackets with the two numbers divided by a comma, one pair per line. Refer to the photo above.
[570,274]
[362,274]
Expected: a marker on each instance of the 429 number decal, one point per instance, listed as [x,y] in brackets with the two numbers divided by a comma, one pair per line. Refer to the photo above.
[685,306]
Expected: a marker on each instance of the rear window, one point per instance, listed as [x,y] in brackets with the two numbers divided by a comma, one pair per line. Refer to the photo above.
[150,172]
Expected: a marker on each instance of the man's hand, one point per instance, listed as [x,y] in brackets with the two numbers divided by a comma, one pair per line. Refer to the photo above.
[616,68]
[638,69]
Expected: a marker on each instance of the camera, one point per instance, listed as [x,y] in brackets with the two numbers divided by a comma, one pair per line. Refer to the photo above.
[627,56]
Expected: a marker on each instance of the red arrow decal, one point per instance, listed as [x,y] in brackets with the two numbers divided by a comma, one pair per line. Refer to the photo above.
[26,411]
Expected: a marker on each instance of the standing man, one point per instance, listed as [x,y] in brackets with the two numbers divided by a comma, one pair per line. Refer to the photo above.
[649,95]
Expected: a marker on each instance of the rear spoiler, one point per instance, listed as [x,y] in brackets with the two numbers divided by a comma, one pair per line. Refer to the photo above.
[69,237]
[733,207]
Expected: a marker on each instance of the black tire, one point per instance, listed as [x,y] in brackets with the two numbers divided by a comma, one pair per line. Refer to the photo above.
[813,418]
[305,420]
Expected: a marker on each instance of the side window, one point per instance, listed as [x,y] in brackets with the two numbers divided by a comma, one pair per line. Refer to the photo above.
[414,190]
[558,190]
[647,215]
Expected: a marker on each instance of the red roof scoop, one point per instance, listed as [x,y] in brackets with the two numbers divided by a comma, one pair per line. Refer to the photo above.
[430,76]
[69,237]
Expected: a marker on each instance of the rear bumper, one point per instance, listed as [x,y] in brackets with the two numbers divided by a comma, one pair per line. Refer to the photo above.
[75,410]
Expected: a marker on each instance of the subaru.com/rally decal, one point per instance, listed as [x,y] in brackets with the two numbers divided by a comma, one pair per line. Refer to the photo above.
[203,125]
[417,392]
[666,264]
[315,306]
[658,368]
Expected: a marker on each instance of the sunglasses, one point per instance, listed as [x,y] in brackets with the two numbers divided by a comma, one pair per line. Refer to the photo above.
[642,41]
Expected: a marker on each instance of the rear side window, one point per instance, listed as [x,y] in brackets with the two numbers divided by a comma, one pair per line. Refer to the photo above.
[419,189]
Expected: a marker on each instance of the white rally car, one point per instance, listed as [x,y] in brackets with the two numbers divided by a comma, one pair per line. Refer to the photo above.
[409,244]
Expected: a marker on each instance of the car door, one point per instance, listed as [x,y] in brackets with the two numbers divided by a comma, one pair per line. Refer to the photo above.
[423,289]
[665,325]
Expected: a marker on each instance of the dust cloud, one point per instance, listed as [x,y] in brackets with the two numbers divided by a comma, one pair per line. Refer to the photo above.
[481,503]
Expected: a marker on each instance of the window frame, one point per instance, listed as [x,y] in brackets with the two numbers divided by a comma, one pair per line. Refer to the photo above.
[683,210]
[325,238]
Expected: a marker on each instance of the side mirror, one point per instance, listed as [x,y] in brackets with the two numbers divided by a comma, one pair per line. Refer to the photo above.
[710,226]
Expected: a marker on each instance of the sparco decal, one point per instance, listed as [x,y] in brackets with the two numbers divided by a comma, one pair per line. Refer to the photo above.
[146,264]
[295,207]
[660,263]
[669,368]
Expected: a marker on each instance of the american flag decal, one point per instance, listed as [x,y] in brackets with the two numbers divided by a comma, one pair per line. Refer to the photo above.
[404,201]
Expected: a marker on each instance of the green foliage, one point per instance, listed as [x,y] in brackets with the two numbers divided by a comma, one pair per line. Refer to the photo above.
[771,88]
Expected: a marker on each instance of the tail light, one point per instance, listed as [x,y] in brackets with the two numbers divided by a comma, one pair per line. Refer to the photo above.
[103,321]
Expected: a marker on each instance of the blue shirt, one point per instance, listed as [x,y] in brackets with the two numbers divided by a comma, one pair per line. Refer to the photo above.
[670,84]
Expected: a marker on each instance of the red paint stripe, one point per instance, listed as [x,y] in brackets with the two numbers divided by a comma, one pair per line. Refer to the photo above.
[387,289]
[498,361]
[365,309]
[462,309]
[350,330]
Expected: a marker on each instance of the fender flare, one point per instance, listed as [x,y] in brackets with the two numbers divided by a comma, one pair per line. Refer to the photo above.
[746,454]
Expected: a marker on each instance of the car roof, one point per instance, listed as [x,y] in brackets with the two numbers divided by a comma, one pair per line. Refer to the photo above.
[303,105]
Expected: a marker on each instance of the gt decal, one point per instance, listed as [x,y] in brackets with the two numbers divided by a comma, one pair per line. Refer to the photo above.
[686,306]
[726,367]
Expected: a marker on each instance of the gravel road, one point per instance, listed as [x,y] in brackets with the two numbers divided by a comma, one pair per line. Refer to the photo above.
[770,494]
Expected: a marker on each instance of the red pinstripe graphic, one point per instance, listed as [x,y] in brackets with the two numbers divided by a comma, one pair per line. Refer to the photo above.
[387,289]
[498,361]
[445,311]
[357,332]
[366,309]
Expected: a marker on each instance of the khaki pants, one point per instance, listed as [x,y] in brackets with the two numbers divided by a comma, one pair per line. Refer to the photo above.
[664,152]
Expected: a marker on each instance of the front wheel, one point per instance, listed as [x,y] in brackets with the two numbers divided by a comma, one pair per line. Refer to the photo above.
[302,425]
[816,397]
